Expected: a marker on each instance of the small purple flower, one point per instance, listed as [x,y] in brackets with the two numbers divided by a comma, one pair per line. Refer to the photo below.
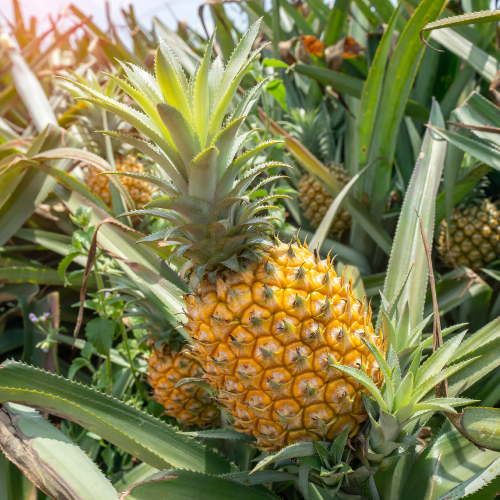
[45,350]
[45,316]
[107,294]
[33,318]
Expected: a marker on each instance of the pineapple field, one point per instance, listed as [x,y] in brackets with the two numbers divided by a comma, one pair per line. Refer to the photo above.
[257,259]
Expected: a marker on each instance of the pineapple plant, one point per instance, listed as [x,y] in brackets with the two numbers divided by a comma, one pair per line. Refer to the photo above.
[270,321]
[311,128]
[473,232]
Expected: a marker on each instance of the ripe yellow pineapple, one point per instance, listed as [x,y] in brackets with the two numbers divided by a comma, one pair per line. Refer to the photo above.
[269,338]
[190,404]
[474,235]
[315,200]
[139,190]
[269,321]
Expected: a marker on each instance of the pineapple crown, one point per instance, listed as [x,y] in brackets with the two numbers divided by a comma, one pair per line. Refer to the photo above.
[195,147]
[475,195]
[312,127]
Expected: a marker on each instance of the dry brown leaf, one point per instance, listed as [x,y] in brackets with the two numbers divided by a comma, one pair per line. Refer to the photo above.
[313,45]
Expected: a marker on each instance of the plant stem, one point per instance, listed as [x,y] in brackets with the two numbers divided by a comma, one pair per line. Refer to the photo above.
[264,100]
[132,367]
[108,372]
[56,360]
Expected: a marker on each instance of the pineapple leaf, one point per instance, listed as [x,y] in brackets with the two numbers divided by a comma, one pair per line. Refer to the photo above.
[337,447]
[483,152]
[52,461]
[442,465]
[384,368]
[147,106]
[388,329]
[185,138]
[191,208]
[438,360]
[226,433]
[224,141]
[292,451]
[214,81]
[177,484]
[421,195]
[201,96]
[226,99]
[482,337]
[403,329]
[203,174]
[415,364]
[238,58]
[416,333]
[364,380]
[323,454]
[479,483]
[119,423]
[157,155]
[485,16]
[174,92]
[421,390]
[403,394]
[162,214]
[245,105]
[250,175]
[260,477]
[248,155]
[143,81]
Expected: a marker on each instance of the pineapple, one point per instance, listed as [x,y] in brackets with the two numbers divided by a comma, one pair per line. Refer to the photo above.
[311,128]
[139,190]
[269,321]
[190,404]
[315,200]
[474,234]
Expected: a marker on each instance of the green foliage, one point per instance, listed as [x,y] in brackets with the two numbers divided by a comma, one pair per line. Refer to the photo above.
[351,93]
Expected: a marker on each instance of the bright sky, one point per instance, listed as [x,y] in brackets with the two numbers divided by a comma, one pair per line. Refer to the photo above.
[145,10]
[167,10]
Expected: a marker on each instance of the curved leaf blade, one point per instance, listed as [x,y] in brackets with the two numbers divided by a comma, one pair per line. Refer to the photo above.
[138,433]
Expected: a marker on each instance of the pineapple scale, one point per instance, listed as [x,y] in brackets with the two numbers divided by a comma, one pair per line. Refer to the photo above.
[269,338]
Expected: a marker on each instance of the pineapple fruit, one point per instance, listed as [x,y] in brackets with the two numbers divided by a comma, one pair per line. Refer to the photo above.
[139,190]
[190,404]
[270,322]
[311,127]
[269,338]
[474,233]
[315,200]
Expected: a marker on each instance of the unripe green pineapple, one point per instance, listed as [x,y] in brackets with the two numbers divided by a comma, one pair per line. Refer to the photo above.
[315,200]
[474,234]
